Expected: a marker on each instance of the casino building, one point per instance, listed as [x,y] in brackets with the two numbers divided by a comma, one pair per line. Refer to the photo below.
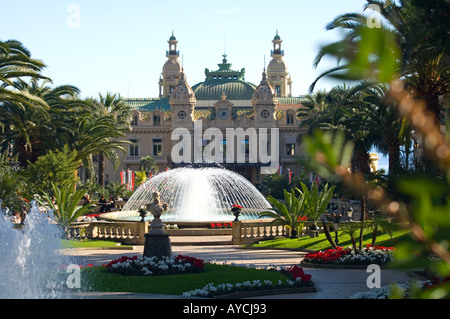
[223,100]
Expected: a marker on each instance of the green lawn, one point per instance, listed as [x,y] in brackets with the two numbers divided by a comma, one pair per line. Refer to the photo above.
[99,280]
[321,243]
[86,243]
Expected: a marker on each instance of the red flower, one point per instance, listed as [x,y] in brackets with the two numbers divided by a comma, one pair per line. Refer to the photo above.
[236,206]
[297,272]
[120,260]
[197,263]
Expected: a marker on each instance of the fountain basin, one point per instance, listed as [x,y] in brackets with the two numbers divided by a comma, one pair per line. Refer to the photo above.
[200,194]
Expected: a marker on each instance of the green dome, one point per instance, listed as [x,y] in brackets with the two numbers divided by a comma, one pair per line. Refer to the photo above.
[233,89]
[277,37]
[224,80]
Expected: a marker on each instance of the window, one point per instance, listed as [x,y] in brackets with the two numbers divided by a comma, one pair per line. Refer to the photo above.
[134,148]
[245,146]
[290,149]
[157,147]
[135,120]
[171,88]
[290,118]
[156,120]
[223,146]
[181,114]
[277,90]
[264,114]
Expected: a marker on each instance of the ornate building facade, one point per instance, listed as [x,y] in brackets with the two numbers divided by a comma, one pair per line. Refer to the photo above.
[225,100]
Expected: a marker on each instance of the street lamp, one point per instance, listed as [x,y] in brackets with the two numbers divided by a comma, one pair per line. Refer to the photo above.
[336,219]
[350,212]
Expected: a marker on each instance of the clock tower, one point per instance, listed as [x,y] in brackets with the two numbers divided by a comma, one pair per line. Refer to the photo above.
[277,71]
[171,71]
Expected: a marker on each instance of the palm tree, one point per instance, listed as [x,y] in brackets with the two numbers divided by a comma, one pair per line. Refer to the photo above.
[16,63]
[32,131]
[342,113]
[93,135]
[65,208]
[290,212]
[318,200]
[118,112]
[148,164]
[396,131]
[423,65]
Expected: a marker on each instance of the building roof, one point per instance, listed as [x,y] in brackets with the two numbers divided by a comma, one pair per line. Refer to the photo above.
[233,89]
[149,104]
[224,80]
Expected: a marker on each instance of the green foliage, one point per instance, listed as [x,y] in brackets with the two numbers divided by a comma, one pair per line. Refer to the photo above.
[329,151]
[11,185]
[425,205]
[65,208]
[274,184]
[290,212]
[148,163]
[429,202]
[141,177]
[317,201]
[56,167]
[116,189]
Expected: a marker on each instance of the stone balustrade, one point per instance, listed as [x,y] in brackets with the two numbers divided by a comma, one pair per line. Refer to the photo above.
[247,232]
[128,233]
[132,233]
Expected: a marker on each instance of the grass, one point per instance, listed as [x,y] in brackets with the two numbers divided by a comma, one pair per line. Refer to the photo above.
[87,243]
[321,242]
[99,280]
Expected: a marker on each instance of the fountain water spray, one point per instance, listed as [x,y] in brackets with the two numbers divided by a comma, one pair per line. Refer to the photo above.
[30,263]
[199,194]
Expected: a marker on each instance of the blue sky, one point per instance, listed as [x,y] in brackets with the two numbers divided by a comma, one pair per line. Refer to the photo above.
[120,46]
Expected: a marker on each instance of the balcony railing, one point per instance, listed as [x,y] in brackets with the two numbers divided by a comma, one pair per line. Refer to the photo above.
[172,52]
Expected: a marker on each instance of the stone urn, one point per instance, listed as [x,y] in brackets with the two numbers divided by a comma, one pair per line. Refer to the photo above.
[236,210]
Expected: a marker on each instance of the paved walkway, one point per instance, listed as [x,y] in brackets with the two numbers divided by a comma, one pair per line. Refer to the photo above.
[330,283]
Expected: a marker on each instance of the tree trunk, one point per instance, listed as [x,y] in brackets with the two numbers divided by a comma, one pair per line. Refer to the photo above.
[363,218]
[101,169]
[363,161]
[374,235]
[394,157]
[328,235]
[432,105]
[352,238]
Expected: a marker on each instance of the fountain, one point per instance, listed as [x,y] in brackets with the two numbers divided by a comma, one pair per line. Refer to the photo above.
[197,194]
[30,263]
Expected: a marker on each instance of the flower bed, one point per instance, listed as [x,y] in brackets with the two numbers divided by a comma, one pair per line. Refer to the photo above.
[220,225]
[347,256]
[153,266]
[401,290]
[297,279]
